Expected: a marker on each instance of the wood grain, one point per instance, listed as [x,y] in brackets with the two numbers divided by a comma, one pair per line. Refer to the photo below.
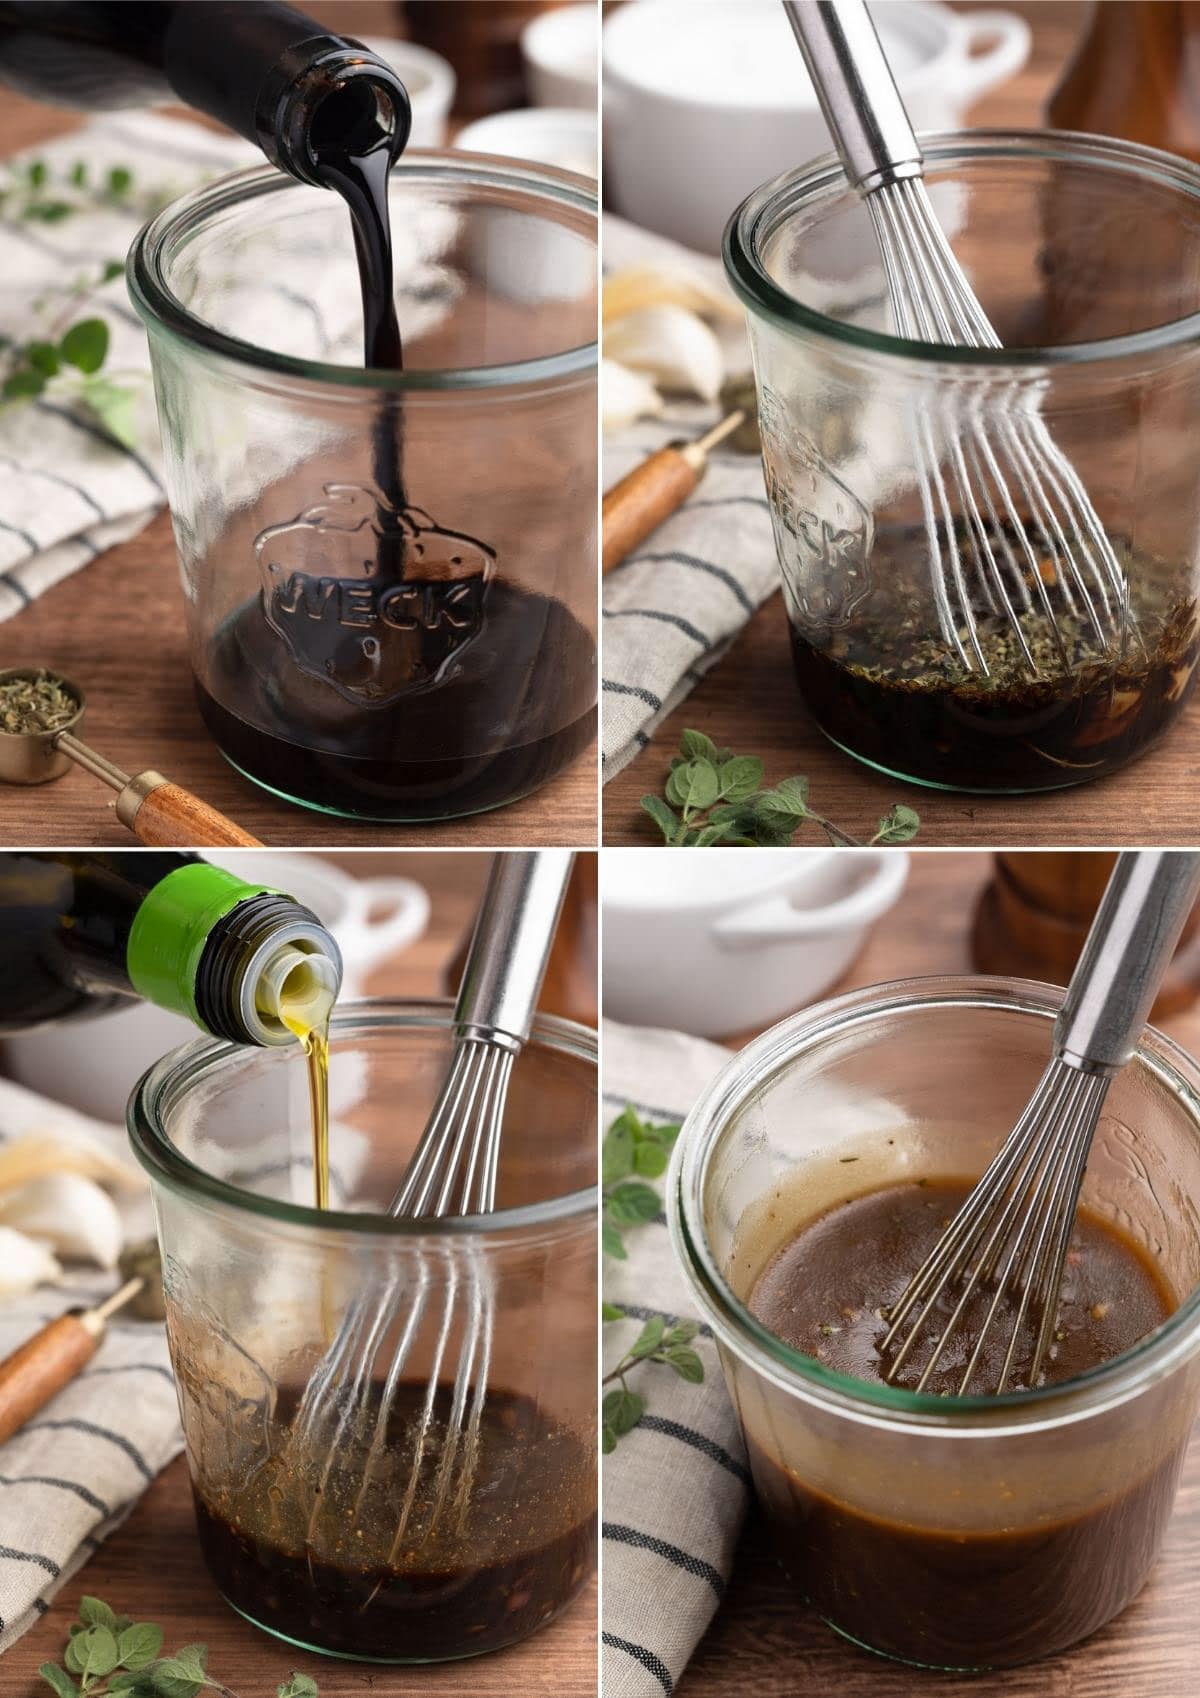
[152,1565]
[117,629]
[749,701]
[763,1642]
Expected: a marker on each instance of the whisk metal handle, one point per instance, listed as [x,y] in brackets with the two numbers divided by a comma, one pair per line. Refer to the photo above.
[510,946]
[857,91]
[1128,950]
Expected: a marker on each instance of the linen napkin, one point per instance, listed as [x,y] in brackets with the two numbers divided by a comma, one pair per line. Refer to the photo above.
[674,606]
[675,1488]
[73,1473]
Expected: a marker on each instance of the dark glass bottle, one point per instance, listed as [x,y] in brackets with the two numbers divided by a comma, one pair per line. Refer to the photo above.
[1133,75]
[265,70]
[80,931]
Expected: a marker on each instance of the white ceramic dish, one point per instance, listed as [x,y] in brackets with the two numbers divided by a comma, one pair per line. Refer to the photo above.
[92,1065]
[713,943]
[562,136]
[561,52]
[706,99]
[430,82]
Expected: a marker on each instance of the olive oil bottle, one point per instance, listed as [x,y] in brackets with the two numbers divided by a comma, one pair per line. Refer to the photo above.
[80,931]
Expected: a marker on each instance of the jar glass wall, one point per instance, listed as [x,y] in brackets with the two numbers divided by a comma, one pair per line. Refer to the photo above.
[324,1521]
[887,461]
[950,1532]
[389,576]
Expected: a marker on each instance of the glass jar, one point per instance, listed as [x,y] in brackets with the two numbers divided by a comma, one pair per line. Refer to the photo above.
[330,1512]
[1085,253]
[951,1532]
[389,576]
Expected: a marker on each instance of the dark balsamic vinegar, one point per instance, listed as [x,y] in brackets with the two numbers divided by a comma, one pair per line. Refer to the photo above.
[491,721]
[332,1577]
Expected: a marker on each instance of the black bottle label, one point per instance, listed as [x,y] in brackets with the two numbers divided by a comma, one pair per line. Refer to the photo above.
[376,602]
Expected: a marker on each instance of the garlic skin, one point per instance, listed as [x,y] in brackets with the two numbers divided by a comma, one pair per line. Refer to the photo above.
[35,1155]
[638,286]
[626,396]
[67,1214]
[24,1263]
[672,346]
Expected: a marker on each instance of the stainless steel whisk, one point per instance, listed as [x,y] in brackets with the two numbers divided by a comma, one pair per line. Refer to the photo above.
[1011,1235]
[453,1171]
[1046,553]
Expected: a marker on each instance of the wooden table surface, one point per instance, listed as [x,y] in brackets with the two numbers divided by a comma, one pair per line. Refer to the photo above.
[760,1642]
[750,703]
[117,630]
[152,1566]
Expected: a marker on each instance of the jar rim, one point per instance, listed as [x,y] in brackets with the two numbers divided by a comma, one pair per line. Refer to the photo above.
[159,1086]
[160,307]
[894,1407]
[804,185]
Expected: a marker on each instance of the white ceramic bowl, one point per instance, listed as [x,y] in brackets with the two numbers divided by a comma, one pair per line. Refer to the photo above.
[430,82]
[715,942]
[92,1065]
[560,50]
[562,136]
[706,99]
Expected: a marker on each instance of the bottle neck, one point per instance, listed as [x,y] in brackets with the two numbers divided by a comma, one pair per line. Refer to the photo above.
[271,74]
[222,952]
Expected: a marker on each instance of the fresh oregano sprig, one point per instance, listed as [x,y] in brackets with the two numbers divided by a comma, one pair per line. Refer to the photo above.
[65,361]
[713,797]
[634,1152]
[113,1656]
[621,1409]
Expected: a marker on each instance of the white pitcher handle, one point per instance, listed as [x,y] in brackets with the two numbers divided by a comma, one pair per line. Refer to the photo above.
[775,920]
[1005,40]
[368,941]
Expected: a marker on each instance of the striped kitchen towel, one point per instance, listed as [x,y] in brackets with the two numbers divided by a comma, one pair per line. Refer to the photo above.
[68,491]
[73,1473]
[675,1489]
[674,606]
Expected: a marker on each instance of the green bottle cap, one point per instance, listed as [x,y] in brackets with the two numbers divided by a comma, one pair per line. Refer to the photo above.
[172,927]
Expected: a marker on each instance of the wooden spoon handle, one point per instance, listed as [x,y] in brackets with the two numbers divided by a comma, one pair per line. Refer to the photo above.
[640,502]
[40,1368]
[167,816]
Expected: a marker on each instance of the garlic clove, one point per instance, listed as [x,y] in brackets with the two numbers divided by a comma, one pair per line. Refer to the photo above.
[638,286]
[38,1154]
[70,1214]
[672,346]
[24,1263]
[626,396]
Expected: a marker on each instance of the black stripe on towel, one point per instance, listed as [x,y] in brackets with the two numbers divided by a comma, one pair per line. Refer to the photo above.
[100,435]
[77,1426]
[57,478]
[654,1665]
[618,1534]
[647,696]
[131,1368]
[689,630]
[52,1568]
[90,1498]
[706,1446]
[26,537]
[697,565]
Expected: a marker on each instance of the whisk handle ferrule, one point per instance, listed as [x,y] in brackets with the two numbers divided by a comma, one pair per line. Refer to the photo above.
[510,946]
[1143,911]
[857,92]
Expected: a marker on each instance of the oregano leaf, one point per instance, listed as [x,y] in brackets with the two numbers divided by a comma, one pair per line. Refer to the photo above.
[695,746]
[617,1153]
[139,1644]
[686,1363]
[85,345]
[739,777]
[632,1203]
[650,1160]
[649,1339]
[612,1243]
[664,818]
[59,1680]
[622,1410]
[610,1312]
